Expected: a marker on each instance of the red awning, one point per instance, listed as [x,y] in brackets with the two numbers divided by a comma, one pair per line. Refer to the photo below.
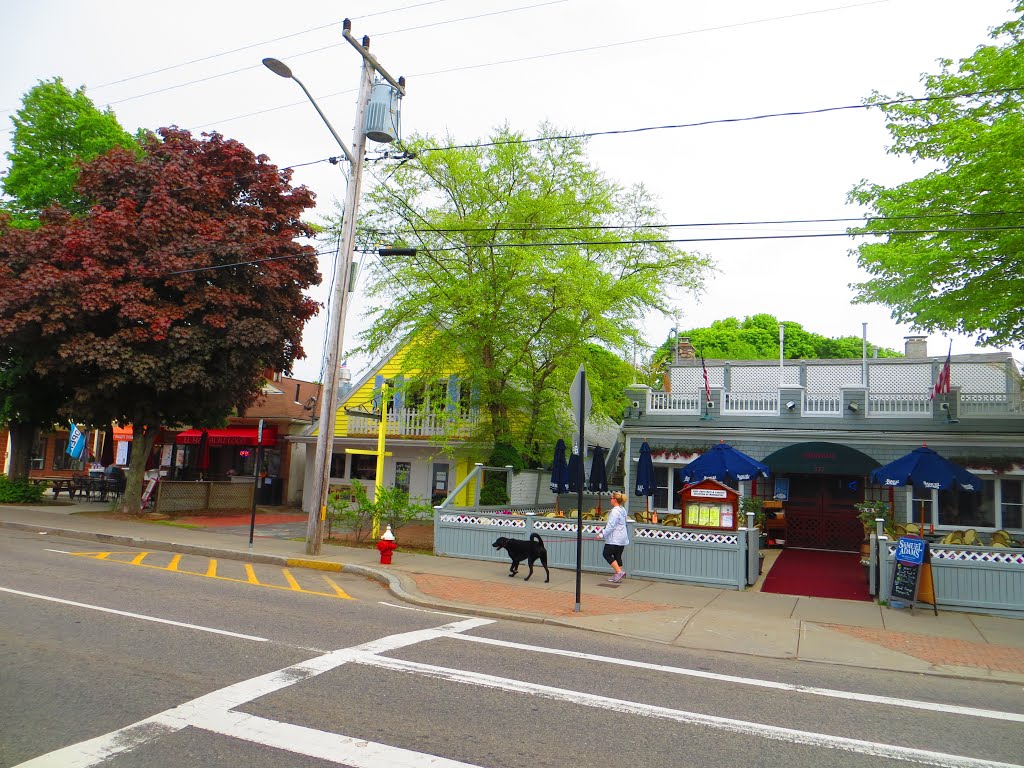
[228,436]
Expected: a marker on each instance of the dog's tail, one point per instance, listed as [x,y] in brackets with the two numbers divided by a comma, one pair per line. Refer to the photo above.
[537,537]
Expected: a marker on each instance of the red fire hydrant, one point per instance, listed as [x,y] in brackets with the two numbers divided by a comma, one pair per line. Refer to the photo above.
[386,546]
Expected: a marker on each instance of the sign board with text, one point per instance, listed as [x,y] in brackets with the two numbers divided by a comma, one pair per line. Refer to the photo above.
[912,573]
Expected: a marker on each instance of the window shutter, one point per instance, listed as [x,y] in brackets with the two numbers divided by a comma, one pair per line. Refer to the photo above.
[399,393]
[378,382]
[453,394]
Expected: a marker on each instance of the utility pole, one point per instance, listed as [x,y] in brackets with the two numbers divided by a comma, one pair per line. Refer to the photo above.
[339,300]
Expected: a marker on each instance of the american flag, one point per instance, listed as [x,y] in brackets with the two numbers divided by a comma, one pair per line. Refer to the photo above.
[707,384]
[942,384]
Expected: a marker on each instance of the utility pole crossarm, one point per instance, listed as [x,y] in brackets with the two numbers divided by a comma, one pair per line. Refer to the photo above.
[371,59]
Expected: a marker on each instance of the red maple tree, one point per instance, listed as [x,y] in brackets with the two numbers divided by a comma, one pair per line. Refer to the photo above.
[164,304]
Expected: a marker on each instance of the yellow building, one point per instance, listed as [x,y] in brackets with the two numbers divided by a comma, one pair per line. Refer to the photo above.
[427,423]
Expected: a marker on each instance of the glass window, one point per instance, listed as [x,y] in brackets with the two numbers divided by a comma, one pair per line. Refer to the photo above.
[1011,503]
[921,508]
[364,467]
[61,460]
[660,499]
[403,471]
[38,457]
[976,510]
[338,464]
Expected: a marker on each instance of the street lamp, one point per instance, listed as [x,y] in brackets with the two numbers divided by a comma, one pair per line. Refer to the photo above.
[339,301]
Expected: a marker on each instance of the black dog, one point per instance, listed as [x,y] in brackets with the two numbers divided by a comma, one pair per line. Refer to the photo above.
[530,550]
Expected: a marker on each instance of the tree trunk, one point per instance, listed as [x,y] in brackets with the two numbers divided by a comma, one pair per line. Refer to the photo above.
[143,439]
[23,437]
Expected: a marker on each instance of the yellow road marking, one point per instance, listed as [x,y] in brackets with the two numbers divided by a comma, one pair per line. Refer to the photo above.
[291,580]
[338,590]
[211,572]
[251,574]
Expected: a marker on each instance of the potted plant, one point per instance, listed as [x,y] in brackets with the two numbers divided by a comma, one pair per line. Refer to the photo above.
[868,511]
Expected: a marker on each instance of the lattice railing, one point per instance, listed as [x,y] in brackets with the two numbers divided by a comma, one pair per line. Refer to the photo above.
[989,403]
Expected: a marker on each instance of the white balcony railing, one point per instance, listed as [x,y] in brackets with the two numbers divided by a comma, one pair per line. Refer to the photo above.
[821,404]
[989,404]
[411,422]
[906,405]
[675,402]
[751,403]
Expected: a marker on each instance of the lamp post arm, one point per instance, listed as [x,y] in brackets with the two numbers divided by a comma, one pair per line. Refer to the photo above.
[334,133]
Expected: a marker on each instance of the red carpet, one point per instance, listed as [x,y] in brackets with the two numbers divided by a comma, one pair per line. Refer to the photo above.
[813,573]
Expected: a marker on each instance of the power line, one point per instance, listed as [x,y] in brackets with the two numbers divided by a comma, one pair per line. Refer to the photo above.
[545,228]
[668,240]
[249,67]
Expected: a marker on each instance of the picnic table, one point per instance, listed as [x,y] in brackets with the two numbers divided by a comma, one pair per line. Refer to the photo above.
[57,484]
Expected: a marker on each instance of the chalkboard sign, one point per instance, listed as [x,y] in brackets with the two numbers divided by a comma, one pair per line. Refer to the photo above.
[912,558]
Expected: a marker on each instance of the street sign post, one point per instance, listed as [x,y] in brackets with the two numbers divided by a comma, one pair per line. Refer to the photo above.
[579,394]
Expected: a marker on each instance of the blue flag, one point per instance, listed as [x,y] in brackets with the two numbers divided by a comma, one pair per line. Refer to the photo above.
[76,442]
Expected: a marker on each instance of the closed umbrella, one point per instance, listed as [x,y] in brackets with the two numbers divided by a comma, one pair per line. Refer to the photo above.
[646,485]
[573,472]
[924,468]
[721,463]
[598,482]
[559,472]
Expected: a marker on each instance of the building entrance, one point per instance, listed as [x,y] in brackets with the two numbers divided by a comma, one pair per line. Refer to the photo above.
[820,512]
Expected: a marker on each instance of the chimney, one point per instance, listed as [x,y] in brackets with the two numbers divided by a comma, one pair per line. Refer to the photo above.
[916,347]
[685,350]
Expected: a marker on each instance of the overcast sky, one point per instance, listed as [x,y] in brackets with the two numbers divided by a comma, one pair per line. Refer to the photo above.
[583,65]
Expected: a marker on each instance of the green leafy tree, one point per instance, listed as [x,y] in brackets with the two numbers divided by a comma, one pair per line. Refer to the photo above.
[757,338]
[166,301]
[54,132]
[512,280]
[963,271]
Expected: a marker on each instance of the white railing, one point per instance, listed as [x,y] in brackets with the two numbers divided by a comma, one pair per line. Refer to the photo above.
[674,402]
[410,422]
[989,403]
[752,403]
[819,404]
[913,405]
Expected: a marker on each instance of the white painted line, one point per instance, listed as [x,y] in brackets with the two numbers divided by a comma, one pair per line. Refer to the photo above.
[196,712]
[421,610]
[867,698]
[742,727]
[58,551]
[134,615]
[343,750]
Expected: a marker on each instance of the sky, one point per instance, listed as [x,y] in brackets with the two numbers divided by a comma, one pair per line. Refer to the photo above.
[583,66]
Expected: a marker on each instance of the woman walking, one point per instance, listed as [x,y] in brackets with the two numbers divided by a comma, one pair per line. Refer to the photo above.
[615,537]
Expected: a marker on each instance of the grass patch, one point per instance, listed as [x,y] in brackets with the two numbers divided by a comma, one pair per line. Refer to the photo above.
[174,524]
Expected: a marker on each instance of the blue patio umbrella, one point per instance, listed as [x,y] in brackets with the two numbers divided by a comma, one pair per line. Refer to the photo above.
[574,472]
[598,482]
[924,468]
[721,463]
[559,472]
[646,485]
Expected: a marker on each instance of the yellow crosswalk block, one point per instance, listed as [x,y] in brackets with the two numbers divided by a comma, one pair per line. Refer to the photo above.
[228,571]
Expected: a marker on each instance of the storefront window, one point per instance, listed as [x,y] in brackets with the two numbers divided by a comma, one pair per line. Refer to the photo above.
[364,467]
[1011,503]
[38,457]
[338,465]
[921,507]
[660,500]
[403,471]
[61,460]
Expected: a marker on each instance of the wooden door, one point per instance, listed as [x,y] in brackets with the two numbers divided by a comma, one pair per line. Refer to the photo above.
[820,512]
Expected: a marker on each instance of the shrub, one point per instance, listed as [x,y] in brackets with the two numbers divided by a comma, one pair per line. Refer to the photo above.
[20,491]
[392,506]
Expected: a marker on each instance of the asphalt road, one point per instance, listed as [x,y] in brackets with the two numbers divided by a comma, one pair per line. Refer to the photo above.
[112,657]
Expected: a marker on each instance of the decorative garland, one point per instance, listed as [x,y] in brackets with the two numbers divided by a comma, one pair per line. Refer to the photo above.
[658,451]
[997,464]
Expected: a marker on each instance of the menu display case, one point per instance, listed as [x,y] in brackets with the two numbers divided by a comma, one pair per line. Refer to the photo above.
[710,504]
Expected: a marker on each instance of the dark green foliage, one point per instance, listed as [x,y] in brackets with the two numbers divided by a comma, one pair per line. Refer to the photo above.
[19,491]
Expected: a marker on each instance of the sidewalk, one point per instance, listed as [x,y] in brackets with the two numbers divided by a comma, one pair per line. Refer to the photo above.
[853,633]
